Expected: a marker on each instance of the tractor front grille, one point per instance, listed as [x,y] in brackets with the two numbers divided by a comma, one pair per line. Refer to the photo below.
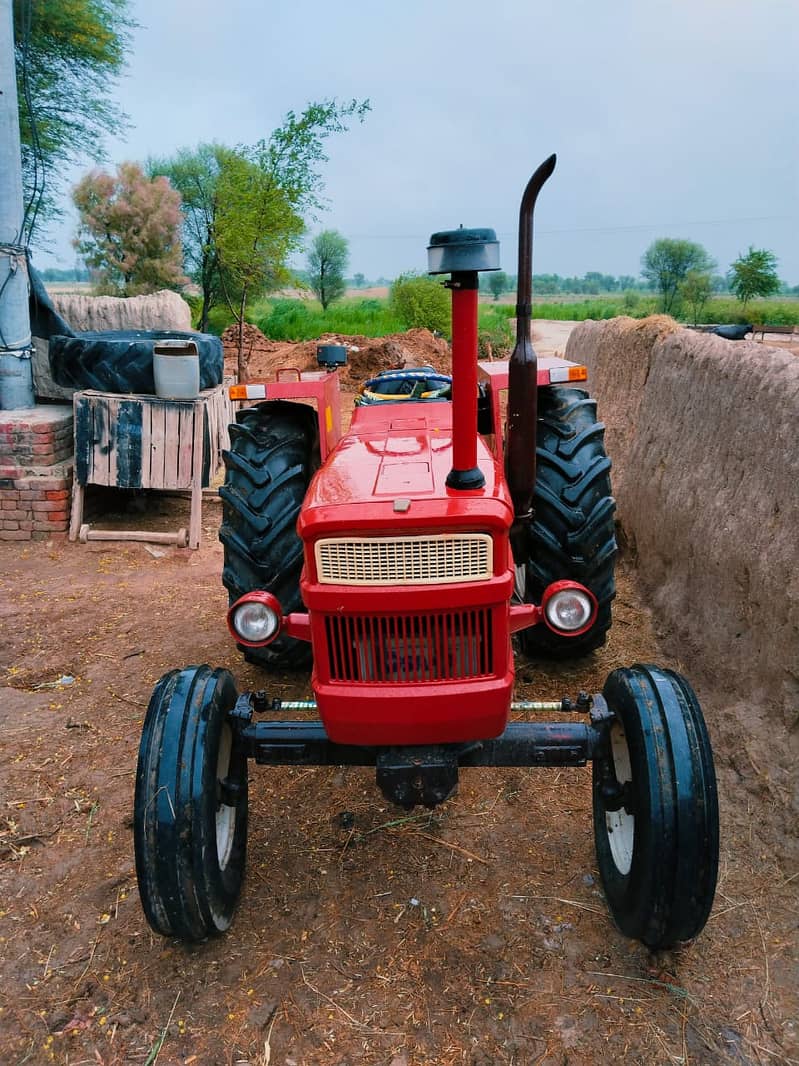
[423,560]
[439,646]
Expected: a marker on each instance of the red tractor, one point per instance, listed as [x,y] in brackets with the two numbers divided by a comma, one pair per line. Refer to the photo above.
[400,558]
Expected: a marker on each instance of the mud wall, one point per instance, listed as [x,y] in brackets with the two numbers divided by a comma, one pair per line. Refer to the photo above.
[703,436]
[161,310]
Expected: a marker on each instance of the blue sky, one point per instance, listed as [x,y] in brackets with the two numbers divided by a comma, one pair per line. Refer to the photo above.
[670,119]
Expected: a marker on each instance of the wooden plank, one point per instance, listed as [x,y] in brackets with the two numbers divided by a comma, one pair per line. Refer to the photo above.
[195,519]
[146,446]
[112,422]
[171,446]
[186,444]
[76,515]
[157,431]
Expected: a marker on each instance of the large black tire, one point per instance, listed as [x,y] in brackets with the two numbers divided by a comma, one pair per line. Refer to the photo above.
[122,360]
[190,808]
[273,454]
[572,533]
[658,853]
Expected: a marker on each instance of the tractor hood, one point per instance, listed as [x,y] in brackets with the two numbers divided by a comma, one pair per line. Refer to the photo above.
[389,472]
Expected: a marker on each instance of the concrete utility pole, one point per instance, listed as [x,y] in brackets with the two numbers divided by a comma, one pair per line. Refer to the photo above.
[16,375]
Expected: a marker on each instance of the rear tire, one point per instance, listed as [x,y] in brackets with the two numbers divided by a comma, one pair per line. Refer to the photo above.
[572,534]
[272,456]
[190,808]
[657,854]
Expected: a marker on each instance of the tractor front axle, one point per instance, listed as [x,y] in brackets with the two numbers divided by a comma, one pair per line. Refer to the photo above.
[428,773]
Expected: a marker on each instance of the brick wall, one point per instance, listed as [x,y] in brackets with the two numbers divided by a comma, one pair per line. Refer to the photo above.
[33,505]
[41,437]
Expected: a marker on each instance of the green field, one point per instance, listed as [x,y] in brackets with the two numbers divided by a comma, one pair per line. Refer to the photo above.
[303,319]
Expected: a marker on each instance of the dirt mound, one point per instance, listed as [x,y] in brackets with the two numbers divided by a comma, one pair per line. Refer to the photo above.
[366,356]
[702,434]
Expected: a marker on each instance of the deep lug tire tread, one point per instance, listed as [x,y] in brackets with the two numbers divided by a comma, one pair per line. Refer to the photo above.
[183,890]
[667,895]
[272,456]
[572,534]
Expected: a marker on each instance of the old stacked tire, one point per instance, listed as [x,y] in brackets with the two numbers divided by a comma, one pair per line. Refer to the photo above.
[572,533]
[122,360]
[273,454]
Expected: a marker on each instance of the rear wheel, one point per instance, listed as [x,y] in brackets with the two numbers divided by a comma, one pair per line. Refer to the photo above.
[657,836]
[273,453]
[572,535]
[190,808]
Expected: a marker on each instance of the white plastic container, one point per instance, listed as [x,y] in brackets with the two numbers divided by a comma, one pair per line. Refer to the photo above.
[176,369]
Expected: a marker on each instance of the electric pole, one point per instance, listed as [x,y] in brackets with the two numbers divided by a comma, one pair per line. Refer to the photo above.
[16,374]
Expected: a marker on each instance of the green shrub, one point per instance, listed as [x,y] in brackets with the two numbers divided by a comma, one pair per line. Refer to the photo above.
[302,320]
[495,330]
[219,318]
[421,302]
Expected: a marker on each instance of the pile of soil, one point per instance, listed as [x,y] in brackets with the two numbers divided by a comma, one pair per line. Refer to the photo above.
[366,356]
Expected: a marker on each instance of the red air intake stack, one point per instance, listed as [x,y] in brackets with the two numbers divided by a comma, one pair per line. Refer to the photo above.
[463,253]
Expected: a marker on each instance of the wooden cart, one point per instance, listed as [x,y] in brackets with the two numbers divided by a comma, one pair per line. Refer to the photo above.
[144,442]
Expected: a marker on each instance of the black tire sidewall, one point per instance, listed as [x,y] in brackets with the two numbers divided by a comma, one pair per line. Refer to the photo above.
[184,892]
[630,895]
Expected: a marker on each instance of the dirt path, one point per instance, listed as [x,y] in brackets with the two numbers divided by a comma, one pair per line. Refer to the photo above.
[475,934]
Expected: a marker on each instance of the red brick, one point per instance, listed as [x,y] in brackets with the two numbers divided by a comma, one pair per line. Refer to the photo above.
[9,505]
[56,494]
[46,505]
[43,431]
[9,524]
[58,516]
[15,534]
[41,483]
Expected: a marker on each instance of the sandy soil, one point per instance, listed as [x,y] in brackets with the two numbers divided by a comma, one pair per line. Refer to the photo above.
[474,934]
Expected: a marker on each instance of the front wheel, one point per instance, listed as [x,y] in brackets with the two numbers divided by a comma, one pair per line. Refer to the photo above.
[656,824]
[190,807]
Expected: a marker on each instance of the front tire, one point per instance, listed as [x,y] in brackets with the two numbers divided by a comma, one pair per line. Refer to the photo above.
[190,807]
[657,845]
[572,534]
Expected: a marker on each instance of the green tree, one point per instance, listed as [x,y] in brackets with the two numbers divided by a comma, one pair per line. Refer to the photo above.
[421,302]
[666,263]
[289,160]
[696,289]
[497,283]
[359,280]
[195,175]
[257,226]
[68,54]
[327,260]
[129,231]
[754,274]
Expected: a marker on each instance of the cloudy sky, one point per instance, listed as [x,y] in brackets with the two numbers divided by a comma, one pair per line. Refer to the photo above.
[670,118]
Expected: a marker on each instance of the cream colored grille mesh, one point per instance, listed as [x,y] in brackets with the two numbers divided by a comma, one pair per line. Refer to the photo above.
[439,559]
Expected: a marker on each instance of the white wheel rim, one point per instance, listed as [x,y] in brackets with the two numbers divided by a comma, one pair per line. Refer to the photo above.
[619,824]
[519,584]
[225,812]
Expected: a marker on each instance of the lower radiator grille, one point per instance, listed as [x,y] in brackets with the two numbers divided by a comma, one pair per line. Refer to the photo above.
[440,646]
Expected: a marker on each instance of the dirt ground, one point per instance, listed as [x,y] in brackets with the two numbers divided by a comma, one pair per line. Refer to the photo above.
[476,933]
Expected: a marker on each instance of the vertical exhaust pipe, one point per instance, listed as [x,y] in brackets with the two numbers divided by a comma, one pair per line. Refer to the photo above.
[523,368]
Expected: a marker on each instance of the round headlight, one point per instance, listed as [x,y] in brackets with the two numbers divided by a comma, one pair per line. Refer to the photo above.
[569,610]
[255,622]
